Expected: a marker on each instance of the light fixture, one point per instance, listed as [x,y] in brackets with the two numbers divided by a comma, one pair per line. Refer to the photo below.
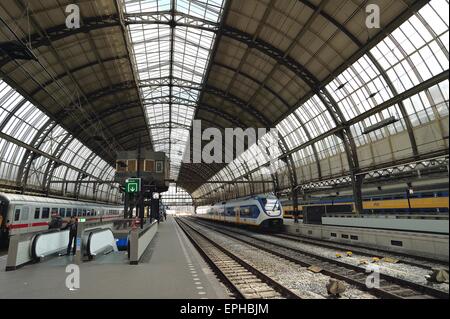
[340,87]
[380,125]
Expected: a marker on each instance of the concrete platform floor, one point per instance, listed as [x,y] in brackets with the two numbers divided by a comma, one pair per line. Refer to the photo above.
[171,268]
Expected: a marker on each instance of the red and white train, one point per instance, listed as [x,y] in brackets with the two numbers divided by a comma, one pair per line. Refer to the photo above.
[21,214]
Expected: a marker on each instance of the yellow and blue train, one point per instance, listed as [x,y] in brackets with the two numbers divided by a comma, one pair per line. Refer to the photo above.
[424,202]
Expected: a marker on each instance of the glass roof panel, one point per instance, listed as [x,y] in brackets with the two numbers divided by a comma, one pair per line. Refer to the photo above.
[178,53]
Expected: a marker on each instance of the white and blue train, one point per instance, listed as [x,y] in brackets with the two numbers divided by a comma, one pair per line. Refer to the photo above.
[263,211]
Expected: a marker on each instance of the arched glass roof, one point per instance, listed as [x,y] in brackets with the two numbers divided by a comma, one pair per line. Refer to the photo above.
[142,71]
[26,134]
[414,54]
[177,56]
[176,197]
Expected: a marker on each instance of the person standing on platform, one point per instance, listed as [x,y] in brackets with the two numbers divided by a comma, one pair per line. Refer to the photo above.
[72,226]
[296,217]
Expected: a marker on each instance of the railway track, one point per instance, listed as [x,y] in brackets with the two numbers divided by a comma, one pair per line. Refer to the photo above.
[390,287]
[422,262]
[245,281]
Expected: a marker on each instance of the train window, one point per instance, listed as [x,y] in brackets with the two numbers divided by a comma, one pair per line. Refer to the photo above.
[310,232]
[45,213]
[84,212]
[54,211]
[397,243]
[352,237]
[245,212]
[249,212]
[344,236]
[25,213]
[333,235]
[229,211]
[69,212]
[17,214]
[75,212]
[37,213]
[62,212]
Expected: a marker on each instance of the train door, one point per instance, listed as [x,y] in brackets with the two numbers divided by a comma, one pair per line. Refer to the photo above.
[20,222]
[3,212]
[25,219]
[15,222]
[238,215]
[3,219]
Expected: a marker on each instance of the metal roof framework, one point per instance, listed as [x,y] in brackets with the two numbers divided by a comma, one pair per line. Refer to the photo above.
[146,69]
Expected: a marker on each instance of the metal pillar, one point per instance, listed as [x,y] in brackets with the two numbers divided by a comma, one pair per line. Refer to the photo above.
[357,181]
[126,205]
[140,208]
[295,203]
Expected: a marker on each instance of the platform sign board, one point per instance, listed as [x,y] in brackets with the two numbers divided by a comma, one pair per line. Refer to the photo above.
[133,185]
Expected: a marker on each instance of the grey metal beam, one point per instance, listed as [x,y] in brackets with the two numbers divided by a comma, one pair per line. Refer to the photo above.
[133,68]
[256,81]
[30,156]
[81,176]
[37,151]
[51,166]
[377,66]
[98,94]
[77,69]
[401,97]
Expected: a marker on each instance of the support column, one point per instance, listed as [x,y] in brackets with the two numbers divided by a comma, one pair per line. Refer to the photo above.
[140,208]
[357,182]
[295,203]
[126,205]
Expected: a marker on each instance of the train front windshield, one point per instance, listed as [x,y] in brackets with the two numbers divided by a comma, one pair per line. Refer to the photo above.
[271,206]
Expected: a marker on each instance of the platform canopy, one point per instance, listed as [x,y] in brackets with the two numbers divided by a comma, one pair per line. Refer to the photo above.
[347,100]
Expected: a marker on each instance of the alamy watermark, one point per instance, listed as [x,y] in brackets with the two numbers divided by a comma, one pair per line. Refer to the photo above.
[234,143]
[373,19]
[373,13]
[73,18]
[73,279]
[373,279]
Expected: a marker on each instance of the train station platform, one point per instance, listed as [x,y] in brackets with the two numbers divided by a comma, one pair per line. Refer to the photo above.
[171,268]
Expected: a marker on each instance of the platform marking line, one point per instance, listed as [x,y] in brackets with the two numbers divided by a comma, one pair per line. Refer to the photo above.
[189,262]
